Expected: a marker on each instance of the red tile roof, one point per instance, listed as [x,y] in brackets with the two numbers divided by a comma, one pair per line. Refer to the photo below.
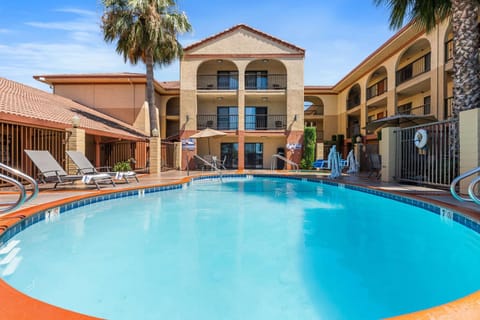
[248,28]
[24,104]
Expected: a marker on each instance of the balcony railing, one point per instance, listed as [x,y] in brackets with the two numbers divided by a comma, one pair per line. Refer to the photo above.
[377,89]
[408,109]
[353,102]
[265,122]
[217,82]
[217,122]
[417,67]
[449,50]
[265,81]
[448,111]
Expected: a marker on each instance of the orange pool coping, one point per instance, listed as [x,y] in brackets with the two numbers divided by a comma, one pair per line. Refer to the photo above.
[20,306]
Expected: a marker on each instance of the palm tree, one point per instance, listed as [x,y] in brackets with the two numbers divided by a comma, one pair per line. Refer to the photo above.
[145,30]
[466,40]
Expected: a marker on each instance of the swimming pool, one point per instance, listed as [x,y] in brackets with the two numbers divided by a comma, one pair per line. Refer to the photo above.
[262,248]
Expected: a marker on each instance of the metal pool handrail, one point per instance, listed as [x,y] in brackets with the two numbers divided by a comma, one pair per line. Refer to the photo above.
[277,156]
[470,187]
[213,165]
[22,196]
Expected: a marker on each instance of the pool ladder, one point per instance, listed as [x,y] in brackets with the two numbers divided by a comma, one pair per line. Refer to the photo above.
[14,178]
[471,187]
[212,165]
[276,157]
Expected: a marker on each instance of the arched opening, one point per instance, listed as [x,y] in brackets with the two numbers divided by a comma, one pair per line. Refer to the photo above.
[413,96]
[313,109]
[265,74]
[414,61]
[217,74]
[354,97]
[376,95]
[172,125]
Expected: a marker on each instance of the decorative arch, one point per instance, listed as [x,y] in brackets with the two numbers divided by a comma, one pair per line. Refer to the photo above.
[377,83]
[218,74]
[173,106]
[354,96]
[414,60]
[313,106]
[265,74]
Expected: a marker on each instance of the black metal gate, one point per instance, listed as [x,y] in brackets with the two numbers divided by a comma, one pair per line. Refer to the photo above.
[425,155]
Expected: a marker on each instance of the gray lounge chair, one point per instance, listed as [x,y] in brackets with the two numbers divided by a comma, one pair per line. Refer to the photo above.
[375,165]
[86,167]
[52,171]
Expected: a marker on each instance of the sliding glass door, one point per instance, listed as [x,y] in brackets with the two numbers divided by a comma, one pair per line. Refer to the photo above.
[253,155]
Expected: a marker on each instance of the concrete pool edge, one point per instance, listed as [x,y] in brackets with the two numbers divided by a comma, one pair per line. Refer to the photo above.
[21,306]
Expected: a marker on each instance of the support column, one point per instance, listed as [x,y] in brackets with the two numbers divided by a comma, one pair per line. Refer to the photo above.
[469,130]
[97,151]
[75,142]
[388,153]
[241,150]
[155,155]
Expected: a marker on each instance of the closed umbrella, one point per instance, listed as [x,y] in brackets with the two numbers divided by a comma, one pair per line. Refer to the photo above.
[207,133]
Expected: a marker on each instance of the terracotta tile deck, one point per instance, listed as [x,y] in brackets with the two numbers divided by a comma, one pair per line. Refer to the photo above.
[24,307]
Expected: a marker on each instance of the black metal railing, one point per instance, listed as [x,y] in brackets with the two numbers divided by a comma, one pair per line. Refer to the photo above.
[217,122]
[417,67]
[449,50]
[217,82]
[265,81]
[448,108]
[265,122]
[408,109]
[352,102]
[377,89]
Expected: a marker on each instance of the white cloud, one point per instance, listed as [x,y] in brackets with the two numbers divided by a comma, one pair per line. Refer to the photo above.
[77,11]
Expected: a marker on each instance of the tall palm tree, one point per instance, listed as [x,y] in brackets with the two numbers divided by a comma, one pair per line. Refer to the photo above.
[466,40]
[145,30]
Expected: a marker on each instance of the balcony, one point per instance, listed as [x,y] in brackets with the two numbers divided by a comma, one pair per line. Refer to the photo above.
[408,109]
[416,68]
[377,89]
[217,122]
[217,82]
[265,122]
[264,81]
[448,50]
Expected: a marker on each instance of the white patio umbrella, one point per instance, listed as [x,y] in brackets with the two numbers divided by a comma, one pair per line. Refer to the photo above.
[207,133]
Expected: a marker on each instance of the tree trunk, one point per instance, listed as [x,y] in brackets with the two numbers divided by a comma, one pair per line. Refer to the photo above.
[466,67]
[152,109]
[466,81]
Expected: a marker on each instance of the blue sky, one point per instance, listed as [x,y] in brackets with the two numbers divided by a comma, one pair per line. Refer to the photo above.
[64,36]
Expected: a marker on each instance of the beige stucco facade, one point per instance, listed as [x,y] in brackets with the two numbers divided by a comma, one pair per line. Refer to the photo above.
[250,85]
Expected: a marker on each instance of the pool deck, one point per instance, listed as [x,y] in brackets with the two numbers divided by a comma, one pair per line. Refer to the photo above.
[24,307]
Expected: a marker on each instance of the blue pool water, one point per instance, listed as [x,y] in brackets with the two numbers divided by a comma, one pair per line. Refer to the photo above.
[260,248]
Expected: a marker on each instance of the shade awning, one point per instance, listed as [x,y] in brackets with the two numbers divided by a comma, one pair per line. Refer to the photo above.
[400,120]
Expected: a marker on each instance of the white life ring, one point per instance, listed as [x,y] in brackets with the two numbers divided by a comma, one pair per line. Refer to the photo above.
[420,138]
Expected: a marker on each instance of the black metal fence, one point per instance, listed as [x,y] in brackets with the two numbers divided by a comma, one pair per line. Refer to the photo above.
[424,155]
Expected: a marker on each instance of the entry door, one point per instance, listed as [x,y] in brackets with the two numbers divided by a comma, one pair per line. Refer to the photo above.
[253,155]
[229,152]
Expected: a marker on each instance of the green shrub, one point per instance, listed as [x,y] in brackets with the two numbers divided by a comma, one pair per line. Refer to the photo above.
[122,166]
[309,141]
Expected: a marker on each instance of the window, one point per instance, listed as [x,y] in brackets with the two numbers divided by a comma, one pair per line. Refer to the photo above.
[255,118]
[229,152]
[227,80]
[426,105]
[253,155]
[256,80]
[227,118]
